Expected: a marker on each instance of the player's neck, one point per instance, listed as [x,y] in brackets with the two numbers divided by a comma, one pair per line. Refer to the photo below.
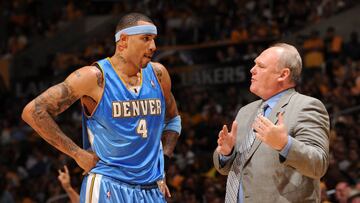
[124,67]
[132,81]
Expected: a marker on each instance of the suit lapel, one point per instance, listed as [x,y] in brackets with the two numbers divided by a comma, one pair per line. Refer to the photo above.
[278,108]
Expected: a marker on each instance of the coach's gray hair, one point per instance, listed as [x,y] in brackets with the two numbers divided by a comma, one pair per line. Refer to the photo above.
[290,58]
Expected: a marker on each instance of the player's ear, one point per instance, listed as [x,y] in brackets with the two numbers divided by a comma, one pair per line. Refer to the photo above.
[122,43]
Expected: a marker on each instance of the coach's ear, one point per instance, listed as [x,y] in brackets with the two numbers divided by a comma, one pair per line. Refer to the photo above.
[284,74]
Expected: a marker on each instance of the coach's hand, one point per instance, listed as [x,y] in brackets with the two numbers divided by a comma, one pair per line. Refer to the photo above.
[275,136]
[163,187]
[227,140]
[86,160]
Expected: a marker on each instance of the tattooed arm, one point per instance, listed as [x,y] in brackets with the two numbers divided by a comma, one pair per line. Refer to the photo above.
[40,112]
[169,138]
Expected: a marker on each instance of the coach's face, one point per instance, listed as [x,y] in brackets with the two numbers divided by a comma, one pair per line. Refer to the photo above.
[141,47]
[265,74]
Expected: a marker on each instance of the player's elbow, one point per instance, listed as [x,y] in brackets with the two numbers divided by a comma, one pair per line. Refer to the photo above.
[26,113]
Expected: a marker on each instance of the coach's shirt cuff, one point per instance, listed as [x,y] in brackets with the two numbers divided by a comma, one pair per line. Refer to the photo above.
[285,151]
[223,159]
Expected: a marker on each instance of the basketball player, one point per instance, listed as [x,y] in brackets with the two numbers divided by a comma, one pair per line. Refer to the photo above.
[128,108]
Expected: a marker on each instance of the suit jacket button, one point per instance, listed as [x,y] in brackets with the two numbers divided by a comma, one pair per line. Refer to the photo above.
[247,196]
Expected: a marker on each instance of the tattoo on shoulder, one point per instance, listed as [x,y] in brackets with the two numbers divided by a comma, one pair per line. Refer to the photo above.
[100,79]
[158,73]
[77,73]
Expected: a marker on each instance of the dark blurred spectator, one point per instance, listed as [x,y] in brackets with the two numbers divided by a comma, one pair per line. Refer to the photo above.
[354,196]
[324,195]
[333,44]
[313,51]
[5,195]
[352,47]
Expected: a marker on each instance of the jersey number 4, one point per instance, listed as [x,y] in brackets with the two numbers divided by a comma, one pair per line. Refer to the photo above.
[141,129]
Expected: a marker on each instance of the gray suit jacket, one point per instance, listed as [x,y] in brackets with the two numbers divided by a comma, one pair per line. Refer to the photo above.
[267,176]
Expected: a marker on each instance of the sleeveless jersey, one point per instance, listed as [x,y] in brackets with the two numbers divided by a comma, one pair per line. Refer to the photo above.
[125,128]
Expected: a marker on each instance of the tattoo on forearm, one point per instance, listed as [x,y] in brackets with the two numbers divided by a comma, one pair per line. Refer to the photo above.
[169,140]
[57,138]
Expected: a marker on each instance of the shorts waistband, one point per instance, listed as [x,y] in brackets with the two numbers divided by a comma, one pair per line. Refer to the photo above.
[149,186]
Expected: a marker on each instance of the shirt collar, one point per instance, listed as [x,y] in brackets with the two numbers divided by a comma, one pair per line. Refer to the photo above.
[274,99]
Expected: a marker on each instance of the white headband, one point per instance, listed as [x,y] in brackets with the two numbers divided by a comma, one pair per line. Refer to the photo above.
[135,30]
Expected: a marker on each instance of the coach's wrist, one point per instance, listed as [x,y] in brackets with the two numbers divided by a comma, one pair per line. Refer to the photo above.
[232,150]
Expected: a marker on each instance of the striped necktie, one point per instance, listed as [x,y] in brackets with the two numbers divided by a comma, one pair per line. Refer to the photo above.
[233,181]
[249,140]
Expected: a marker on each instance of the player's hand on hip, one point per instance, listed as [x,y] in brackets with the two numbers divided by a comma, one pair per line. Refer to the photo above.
[86,160]
[163,187]
[275,136]
[227,140]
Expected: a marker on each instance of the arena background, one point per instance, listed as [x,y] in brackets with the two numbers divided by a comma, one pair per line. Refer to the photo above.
[208,48]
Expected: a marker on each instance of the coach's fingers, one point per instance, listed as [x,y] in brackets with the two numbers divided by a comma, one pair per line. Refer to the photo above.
[225,130]
[234,128]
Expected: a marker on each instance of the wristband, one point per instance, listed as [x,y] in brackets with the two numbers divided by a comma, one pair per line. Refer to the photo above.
[174,124]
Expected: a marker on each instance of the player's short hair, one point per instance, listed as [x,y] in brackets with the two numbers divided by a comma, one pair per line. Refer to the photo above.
[131,19]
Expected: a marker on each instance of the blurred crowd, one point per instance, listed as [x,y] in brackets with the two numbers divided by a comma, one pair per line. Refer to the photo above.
[28,167]
[25,22]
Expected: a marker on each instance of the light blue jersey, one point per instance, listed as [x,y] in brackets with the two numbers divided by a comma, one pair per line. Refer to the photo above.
[125,128]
